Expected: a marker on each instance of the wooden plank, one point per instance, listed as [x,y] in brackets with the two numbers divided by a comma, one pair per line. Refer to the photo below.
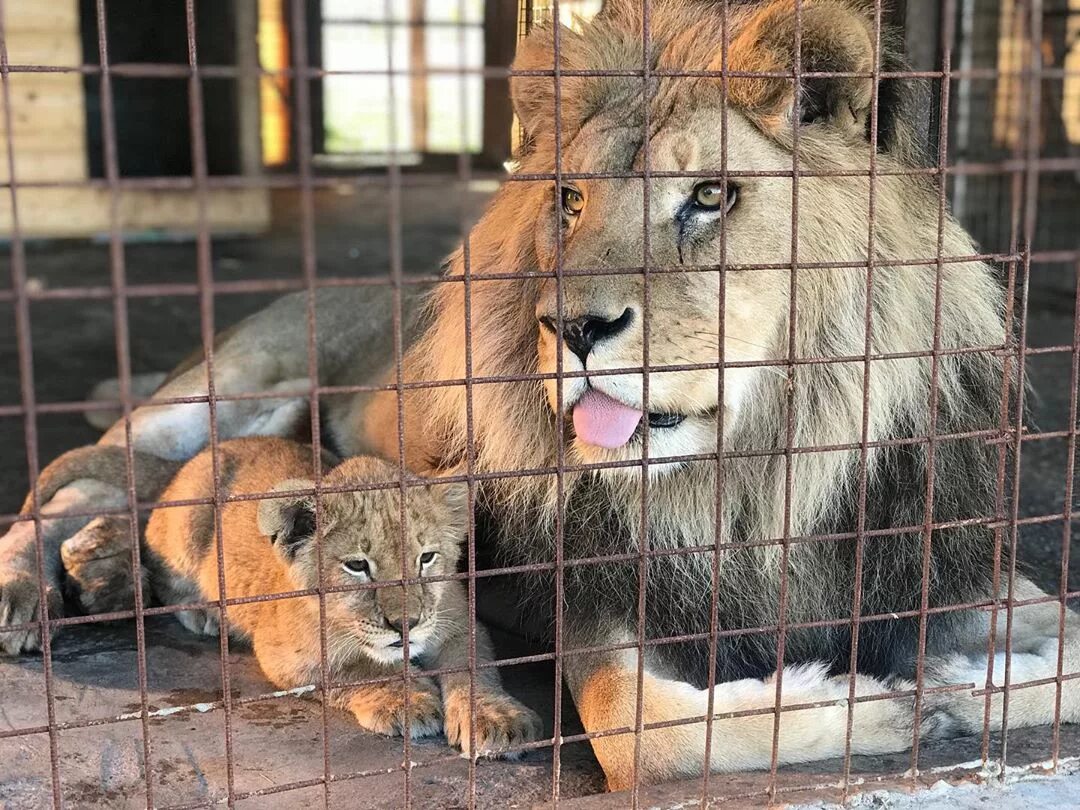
[41,15]
[48,128]
[84,211]
[48,110]
[48,105]
[43,165]
[60,48]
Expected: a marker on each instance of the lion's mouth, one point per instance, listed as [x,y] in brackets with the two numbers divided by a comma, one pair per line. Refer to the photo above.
[603,421]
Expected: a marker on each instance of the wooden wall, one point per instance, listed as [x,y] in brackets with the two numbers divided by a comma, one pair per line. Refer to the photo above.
[49,139]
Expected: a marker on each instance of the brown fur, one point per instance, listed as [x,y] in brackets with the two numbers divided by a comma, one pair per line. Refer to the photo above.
[102,463]
[269,549]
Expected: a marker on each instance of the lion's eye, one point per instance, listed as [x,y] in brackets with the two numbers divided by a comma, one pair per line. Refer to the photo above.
[357,568]
[711,197]
[427,558]
[572,201]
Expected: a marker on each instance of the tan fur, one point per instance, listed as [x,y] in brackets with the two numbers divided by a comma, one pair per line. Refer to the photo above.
[606,699]
[99,565]
[267,550]
[101,463]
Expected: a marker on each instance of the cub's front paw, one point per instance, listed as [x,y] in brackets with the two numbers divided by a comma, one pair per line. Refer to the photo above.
[19,604]
[501,723]
[382,709]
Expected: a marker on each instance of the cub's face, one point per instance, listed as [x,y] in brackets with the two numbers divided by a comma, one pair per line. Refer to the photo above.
[367,544]
[378,562]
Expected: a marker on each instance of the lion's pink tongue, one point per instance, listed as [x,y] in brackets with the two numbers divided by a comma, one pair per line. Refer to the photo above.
[604,422]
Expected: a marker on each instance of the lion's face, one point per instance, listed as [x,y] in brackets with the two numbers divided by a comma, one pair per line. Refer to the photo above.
[692,223]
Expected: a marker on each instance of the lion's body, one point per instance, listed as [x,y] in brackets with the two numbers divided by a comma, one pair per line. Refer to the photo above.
[806,538]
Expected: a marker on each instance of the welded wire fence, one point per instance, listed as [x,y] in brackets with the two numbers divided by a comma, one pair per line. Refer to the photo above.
[1031,179]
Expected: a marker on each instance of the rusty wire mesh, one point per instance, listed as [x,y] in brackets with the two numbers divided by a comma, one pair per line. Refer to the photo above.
[1010,230]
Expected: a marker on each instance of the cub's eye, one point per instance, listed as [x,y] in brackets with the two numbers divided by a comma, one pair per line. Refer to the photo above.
[711,197]
[427,558]
[572,201]
[356,568]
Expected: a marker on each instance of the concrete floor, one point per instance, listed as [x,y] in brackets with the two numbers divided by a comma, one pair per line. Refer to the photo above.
[280,740]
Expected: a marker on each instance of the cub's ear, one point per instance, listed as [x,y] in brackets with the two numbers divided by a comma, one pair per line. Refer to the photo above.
[836,37]
[289,522]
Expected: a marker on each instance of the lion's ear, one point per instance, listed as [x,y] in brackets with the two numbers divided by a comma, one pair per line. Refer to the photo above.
[836,37]
[534,95]
[624,13]
[289,522]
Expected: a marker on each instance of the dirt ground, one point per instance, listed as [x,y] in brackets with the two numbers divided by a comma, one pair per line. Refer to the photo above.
[280,741]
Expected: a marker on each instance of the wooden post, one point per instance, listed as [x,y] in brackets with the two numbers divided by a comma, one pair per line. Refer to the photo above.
[500,43]
[247,58]
[418,80]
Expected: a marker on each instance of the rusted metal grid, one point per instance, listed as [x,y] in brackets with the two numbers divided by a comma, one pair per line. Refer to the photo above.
[1023,169]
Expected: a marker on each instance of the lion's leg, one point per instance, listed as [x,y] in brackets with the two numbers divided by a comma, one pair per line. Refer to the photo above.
[267,353]
[605,692]
[478,704]
[142,387]
[98,562]
[19,588]
[1034,657]
[178,431]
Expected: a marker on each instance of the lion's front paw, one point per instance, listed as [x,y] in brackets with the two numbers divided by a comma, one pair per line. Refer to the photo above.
[382,709]
[97,559]
[20,604]
[501,723]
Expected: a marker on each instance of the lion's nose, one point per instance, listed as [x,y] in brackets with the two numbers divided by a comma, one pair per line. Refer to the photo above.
[581,334]
[395,624]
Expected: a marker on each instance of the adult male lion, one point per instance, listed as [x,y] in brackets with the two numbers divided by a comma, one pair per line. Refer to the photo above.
[591,131]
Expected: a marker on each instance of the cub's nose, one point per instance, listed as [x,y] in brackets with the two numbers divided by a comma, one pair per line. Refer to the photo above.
[581,334]
[395,624]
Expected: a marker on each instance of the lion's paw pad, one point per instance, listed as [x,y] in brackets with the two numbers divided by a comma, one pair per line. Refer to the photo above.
[19,605]
[385,712]
[501,723]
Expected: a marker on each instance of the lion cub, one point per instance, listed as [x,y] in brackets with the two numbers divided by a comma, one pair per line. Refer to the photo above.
[270,548]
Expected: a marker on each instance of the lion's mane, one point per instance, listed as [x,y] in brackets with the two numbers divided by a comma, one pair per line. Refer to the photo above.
[505,432]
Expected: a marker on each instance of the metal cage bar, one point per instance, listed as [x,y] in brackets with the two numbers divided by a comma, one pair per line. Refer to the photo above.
[1023,169]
